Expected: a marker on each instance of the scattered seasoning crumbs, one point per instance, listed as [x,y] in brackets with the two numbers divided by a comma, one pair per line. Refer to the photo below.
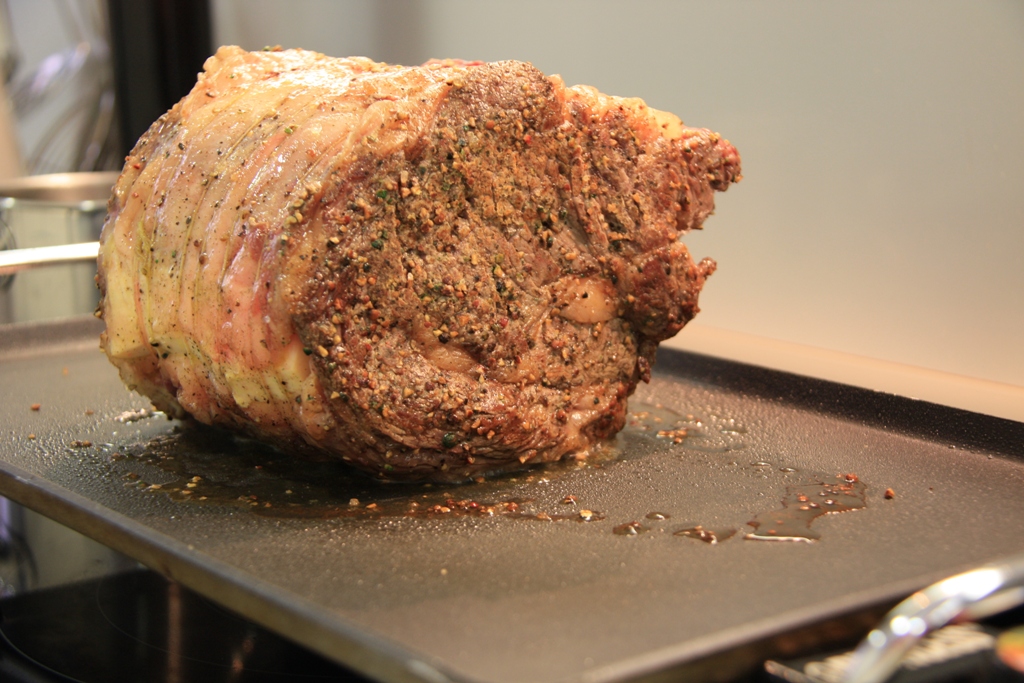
[889,494]
[586,515]
[32,436]
[353,502]
[81,444]
[36,406]
[677,435]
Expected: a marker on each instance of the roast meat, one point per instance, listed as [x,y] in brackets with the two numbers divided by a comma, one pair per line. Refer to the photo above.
[433,272]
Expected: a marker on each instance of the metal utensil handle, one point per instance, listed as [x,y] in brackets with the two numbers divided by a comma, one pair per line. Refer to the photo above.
[975,594]
[14,260]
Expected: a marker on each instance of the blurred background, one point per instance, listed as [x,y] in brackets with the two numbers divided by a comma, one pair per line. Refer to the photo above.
[881,212]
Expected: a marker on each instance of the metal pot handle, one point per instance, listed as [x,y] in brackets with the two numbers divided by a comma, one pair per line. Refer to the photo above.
[975,594]
[14,260]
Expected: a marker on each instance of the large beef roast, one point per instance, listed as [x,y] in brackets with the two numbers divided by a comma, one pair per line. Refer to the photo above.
[429,272]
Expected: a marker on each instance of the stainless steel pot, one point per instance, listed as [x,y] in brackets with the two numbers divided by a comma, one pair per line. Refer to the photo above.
[46,211]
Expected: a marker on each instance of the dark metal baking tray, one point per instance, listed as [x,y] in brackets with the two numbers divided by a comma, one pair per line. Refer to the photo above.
[534,593]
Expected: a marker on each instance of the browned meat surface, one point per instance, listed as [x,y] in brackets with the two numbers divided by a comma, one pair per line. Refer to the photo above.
[430,272]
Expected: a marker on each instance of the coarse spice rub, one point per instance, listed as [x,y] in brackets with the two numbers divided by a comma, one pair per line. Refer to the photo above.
[433,272]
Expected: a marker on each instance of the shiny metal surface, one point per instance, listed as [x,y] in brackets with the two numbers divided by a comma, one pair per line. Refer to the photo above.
[538,595]
[47,212]
[972,595]
[70,188]
[15,260]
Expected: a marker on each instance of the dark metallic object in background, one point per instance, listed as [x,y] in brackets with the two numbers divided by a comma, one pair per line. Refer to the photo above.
[17,566]
[135,625]
[7,243]
[159,46]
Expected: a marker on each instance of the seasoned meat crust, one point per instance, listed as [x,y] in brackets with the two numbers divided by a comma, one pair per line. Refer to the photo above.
[430,272]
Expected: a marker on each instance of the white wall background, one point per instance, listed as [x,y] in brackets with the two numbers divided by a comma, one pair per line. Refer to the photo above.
[882,210]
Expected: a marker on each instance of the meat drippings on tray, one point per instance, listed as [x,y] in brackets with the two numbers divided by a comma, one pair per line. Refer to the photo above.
[430,272]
